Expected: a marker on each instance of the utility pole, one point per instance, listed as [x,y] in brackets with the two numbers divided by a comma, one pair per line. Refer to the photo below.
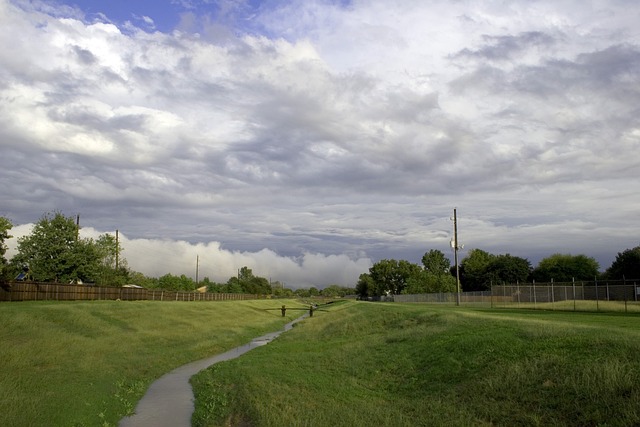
[455,252]
[77,227]
[197,265]
[117,252]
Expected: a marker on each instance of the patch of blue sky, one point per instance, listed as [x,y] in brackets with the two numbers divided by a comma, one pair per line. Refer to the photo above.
[241,16]
[148,15]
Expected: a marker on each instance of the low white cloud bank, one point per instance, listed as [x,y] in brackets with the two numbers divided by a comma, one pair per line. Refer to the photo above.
[156,258]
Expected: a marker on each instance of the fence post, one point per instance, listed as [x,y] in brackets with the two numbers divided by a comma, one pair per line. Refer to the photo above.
[573,280]
[597,296]
[552,299]
[534,294]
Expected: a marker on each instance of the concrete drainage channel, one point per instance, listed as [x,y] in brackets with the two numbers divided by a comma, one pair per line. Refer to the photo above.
[169,400]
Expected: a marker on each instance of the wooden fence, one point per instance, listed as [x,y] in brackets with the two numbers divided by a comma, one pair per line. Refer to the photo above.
[30,291]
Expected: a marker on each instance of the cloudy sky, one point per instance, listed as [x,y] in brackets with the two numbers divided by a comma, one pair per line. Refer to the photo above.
[309,139]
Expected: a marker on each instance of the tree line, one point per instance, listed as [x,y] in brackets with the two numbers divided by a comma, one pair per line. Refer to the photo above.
[479,270]
[54,252]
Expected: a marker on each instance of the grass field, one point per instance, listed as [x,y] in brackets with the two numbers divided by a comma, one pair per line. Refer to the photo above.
[578,305]
[88,363]
[361,364]
[351,364]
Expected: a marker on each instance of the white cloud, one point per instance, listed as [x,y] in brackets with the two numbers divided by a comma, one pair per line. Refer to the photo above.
[156,258]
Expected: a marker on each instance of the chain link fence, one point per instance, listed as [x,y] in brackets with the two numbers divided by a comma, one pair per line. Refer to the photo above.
[612,295]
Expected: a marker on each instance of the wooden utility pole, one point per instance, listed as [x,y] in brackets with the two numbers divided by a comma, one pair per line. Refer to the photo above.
[197,266]
[117,252]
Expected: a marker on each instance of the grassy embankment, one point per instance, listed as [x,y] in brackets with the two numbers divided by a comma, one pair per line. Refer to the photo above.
[361,364]
[88,363]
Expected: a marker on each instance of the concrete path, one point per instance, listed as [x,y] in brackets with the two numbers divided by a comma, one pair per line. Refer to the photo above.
[169,400]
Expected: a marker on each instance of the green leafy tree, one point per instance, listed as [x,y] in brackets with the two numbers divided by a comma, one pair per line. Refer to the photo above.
[565,268]
[281,292]
[337,291]
[425,282]
[626,265]
[170,282]
[233,286]
[473,270]
[436,262]
[434,277]
[365,286]
[508,269]
[139,279]
[109,250]
[257,285]
[302,293]
[213,287]
[54,252]
[248,283]
[390,276]
[5,226]
[331,291]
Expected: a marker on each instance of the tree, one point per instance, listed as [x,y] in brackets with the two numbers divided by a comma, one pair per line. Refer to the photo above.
[54,252]
[337,291]
[257,285]
[5,226]
[365,286]
[139,279]
[508,269]
[434,277]
[626,265]
[278,290]
[233,286]
[473,270]
[176,283]
[426,282]
[436,262]
[390,276]
[247,283]
[565,268]
[331,291]
[108,251]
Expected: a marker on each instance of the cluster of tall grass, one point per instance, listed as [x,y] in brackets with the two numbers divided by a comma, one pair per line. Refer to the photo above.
[88,363]
[408,365]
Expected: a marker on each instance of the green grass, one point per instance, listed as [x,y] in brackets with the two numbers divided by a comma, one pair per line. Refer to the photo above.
[578,305]
[352,364]
[88,363]
[363,364]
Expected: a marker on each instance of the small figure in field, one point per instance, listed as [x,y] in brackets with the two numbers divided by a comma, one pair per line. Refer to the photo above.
[284,310]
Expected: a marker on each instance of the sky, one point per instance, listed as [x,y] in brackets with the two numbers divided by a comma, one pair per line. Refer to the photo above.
[310,139]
